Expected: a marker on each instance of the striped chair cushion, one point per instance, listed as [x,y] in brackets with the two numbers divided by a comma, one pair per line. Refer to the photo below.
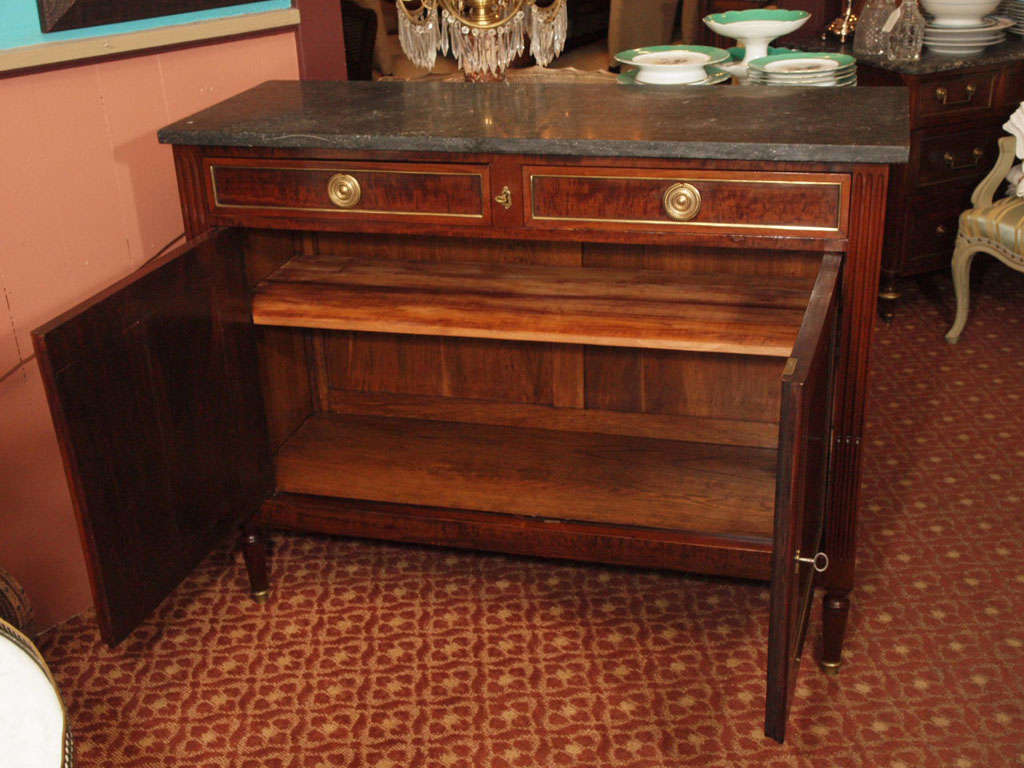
[1001,222]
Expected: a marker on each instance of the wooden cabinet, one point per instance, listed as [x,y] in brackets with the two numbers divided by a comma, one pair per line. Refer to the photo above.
[645,361]
[956,119]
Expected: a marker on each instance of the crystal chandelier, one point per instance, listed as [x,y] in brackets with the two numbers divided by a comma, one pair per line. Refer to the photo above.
[484,36]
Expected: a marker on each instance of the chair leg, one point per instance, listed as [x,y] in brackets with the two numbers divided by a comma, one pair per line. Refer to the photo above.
[962,258]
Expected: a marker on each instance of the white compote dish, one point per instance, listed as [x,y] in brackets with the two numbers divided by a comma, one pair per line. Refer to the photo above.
[670,64]
[755,28]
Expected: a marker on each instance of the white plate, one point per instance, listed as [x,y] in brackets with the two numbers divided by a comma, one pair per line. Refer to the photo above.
[806,63]
[801,66]
[831,84]
[715,75]
[791,77]
[958,51]
[966,40]
[966,35]
[830,72]
[819,80]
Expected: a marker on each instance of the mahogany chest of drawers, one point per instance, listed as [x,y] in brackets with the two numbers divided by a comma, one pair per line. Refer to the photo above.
[957,109]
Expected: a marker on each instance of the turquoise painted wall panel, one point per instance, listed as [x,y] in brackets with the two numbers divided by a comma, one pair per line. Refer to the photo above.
[19,23]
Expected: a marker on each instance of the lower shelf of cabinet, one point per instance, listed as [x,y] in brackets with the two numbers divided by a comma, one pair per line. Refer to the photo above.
[702,495]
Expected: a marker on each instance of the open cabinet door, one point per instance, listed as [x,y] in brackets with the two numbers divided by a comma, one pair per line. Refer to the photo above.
[154,389]
[804,439]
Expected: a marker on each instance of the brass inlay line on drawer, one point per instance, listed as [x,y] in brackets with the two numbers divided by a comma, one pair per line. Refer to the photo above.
[695,180]
[218,204]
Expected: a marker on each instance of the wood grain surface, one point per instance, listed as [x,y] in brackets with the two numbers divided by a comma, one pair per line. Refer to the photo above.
[672,485]
[604,307]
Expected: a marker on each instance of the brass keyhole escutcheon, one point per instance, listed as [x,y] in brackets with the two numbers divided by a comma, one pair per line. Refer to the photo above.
[344,190]
[681,201]
[505,198]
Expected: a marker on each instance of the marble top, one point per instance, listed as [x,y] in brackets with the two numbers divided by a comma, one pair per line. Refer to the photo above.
[930,61]
[591,119]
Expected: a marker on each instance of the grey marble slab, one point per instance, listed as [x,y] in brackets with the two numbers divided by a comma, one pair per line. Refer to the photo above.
[593,119]
[930,61]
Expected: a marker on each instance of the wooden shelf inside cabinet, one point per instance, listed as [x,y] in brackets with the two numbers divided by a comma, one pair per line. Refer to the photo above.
[595,306]
[610,479]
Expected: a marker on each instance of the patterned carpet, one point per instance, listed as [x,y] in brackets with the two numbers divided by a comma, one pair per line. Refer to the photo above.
[380,656]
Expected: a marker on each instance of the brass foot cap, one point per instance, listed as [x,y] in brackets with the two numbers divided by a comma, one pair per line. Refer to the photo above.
[831,667]
[261,596]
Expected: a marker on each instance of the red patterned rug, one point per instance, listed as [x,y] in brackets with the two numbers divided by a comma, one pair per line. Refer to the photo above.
[380,656]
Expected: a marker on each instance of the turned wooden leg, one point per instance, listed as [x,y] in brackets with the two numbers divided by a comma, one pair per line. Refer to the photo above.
[254,550]
[962,257]
[835,610]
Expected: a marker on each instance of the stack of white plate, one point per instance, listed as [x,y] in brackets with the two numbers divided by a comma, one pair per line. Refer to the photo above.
[821,69]
[1014,10]
[965,41]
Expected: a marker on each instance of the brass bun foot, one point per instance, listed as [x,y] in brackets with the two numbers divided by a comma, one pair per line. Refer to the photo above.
[260,597]
[831,667]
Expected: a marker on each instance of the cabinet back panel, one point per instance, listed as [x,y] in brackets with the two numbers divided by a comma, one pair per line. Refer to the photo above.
[663,394]
[720,398]
[450,249]
[696,260]
[268,249]
[683,383]
[429,365]
[691,260]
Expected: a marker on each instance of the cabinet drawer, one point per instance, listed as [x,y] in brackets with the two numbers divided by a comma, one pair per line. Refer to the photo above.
[242,190]
[1013,89]
[954,96]
[931,226]
[964,156]
[646,199]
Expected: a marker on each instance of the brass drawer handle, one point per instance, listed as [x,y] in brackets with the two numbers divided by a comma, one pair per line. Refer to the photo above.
[344,190]
[976,154]
[505,198]
[942,95]
[682,201]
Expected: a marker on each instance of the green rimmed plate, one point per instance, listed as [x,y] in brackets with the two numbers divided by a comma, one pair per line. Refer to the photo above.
[802,63]
[649,55]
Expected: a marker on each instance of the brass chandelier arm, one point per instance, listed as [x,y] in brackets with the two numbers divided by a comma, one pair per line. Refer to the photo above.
[479,14]
[484,36]
[483,14]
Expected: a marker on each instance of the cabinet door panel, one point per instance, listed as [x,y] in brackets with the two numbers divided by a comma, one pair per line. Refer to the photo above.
[154,390]
[801,490]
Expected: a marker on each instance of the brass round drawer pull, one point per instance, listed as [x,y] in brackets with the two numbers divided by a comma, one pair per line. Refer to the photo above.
[681,201]
[344,190]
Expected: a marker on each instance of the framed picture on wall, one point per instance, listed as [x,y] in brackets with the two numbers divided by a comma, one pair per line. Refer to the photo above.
[57,15]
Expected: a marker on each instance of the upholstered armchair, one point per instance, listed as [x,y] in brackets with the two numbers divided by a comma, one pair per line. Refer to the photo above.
[995,228]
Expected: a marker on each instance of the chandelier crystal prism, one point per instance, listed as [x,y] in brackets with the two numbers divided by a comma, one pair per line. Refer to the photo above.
[484,36]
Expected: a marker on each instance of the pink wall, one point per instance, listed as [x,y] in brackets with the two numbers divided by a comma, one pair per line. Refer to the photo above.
[86,195]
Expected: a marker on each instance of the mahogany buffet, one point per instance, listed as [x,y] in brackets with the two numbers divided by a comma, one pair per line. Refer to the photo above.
[613,324]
